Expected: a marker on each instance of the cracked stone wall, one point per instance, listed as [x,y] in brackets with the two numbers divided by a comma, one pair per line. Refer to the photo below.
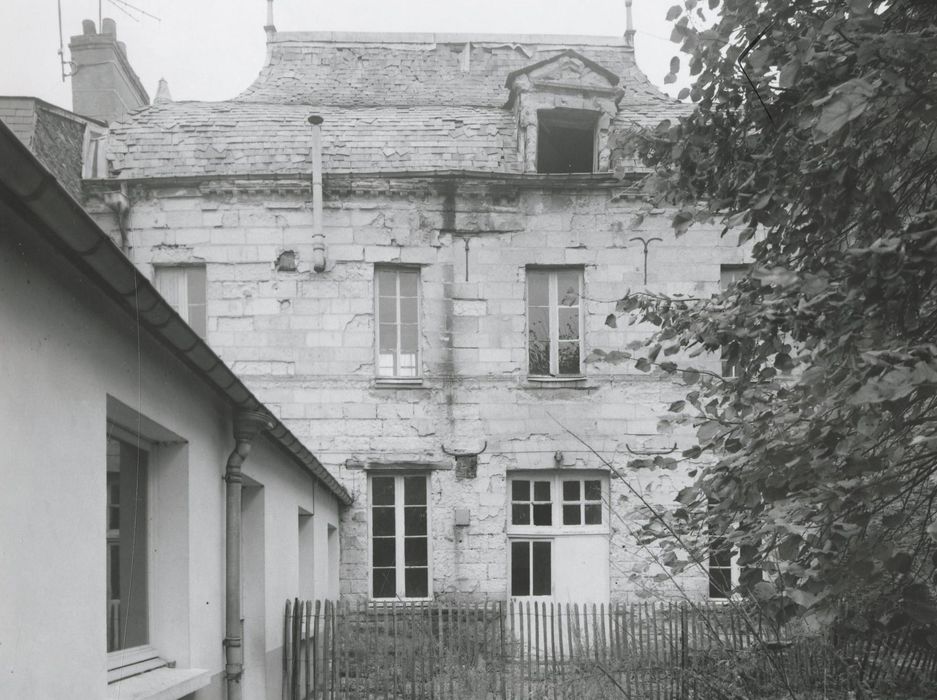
[304,342]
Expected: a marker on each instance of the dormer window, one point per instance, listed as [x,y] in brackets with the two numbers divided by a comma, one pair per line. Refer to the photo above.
[566,140]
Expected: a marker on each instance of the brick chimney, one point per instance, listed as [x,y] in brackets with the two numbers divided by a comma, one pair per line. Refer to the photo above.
[104,86]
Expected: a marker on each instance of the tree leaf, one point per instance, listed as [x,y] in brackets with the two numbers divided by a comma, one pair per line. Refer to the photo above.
[677,406]
[673,13]
[611,321]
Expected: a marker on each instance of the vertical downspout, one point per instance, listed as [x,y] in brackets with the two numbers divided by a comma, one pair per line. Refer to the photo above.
[247,425]
[318,237]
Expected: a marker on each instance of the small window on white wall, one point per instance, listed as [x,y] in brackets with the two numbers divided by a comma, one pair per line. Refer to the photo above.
[127,569]
[184,287]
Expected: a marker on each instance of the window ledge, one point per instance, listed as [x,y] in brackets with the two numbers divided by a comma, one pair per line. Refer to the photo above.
[578,381]
[398,383]
[160,684]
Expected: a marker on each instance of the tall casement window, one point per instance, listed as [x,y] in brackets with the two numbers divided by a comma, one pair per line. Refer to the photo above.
[399,537]
[544,506]
[184,287]
[127,596]
[554,322]
[397,292]
[729,275]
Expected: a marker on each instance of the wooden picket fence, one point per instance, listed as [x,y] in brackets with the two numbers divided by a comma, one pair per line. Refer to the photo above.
[532,650]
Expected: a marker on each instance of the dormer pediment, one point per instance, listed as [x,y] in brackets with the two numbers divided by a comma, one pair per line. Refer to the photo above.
[566,71]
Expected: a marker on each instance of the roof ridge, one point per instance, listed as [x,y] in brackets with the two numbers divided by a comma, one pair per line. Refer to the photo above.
[448,38]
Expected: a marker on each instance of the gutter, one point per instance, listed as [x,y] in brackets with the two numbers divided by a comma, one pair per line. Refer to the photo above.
[34,193]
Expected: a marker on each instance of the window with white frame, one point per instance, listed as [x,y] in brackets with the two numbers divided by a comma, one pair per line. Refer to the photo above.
[554,322]
[720,567]
[543,506]
[397,307]
[184,287]
[399,536]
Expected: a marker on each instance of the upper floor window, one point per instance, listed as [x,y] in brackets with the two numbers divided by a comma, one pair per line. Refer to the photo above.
[397,292]
[554,322]
[399,536]
[566,141]
[184,287]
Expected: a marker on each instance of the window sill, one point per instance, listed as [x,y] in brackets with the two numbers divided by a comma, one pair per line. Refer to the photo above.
[578,381]
[398,383]
[160,684]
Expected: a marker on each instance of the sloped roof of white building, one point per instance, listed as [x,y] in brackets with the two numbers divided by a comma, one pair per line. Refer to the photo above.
[391,102]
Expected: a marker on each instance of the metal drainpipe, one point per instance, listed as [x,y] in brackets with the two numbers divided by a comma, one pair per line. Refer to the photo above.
[247,425]
[318,237]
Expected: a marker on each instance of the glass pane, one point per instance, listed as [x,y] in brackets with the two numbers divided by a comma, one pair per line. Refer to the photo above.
[416,582]
[414,551]
[571,515]
[382,521]
[720,583]
[567,287]
[387,309]
[408,282]
[541,575]
[383,551]
[719,553]
[408,310]
[196,285]
[520,568]
[520,514]
[127,618]
[569,357]
[541,490]
[408,338]
[520,490]
[593,490]
[539,358]
[414,521]
[382,490]
[197,319]
[385,583]
[570,490]
[594,514]
[385,364]
[414,490]
[386,283]
[569,324]
[538,321]
[407,367]
[538,288]
[543,514]
[388,338]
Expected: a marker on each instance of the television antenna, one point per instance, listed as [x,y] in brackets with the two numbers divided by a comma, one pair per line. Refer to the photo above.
[132,11]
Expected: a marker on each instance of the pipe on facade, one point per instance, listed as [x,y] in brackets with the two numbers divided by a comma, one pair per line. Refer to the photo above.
[247,425]
[318,237]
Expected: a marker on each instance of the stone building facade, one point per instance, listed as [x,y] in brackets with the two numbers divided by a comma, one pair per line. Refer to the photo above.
[432,342]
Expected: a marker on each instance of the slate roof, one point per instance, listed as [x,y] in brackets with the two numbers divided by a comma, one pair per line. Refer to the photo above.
[54,135]
[391,102]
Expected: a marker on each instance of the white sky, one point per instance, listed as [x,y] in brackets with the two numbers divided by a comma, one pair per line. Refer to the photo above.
[213,49]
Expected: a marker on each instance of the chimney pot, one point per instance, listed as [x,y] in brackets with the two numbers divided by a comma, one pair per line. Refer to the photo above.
[109,26]
[87,27]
